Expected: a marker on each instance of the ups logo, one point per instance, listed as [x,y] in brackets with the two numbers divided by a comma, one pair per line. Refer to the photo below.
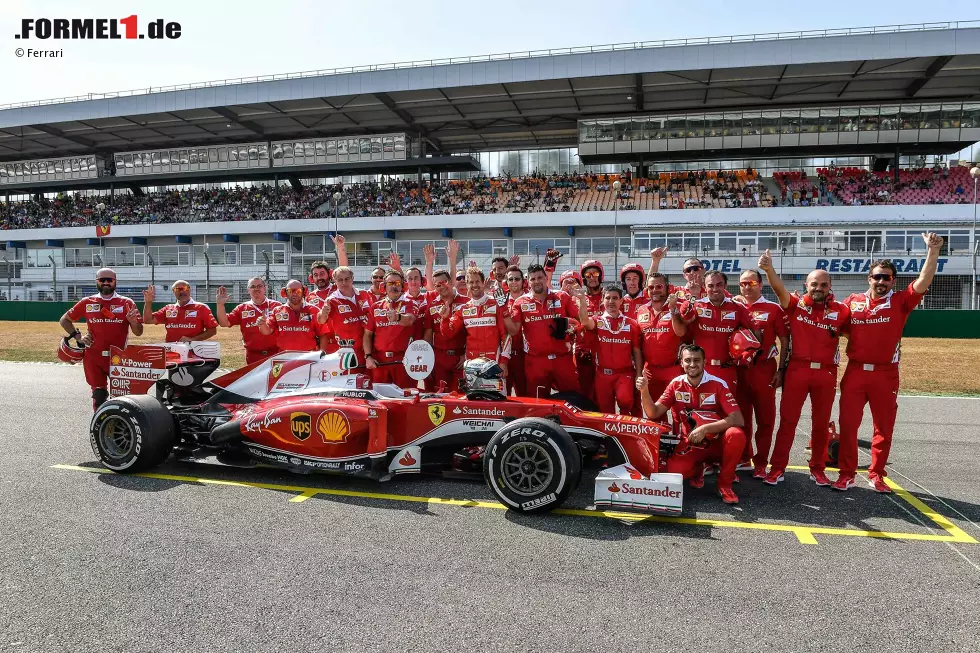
[301,425]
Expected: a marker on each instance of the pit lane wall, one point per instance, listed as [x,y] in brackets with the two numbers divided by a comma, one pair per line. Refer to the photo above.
[921,324]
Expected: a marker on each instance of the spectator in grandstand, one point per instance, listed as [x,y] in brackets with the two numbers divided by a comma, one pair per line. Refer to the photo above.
[109,318]
[185,320]
[874,347]
[544,317]
[715,436]
[388,331]
[757,384]
[816,321]
[245,315]
[297,324]
[618,355]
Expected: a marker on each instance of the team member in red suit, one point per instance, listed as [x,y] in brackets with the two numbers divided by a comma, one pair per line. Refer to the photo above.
[693,270]
[568,280]
[756,391]
[460,283]
[185,320]
[417,295]
[593,276]
[716,318]
[322,277]
[633,279]
[816,321]
[543,315]
[874,347]
[700,391]
[245,316]
[448,346]
[663,333]
[297,324]
[377,288]
[618,355]
[108,318]
[516,376]
[481,321]
[388,332]
[498,274]
[346,310]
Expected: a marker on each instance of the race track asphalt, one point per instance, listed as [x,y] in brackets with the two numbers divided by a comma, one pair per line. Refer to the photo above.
[99,562]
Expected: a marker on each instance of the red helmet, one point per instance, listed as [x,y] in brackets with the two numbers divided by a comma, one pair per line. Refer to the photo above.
[633,267]
[594,264]
[70,353]
[690,420]
[743,346]
[569,274]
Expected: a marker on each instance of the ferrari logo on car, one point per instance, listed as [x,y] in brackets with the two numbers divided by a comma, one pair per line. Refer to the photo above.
[437,413]
[276,369]
[301,425]
[333,426]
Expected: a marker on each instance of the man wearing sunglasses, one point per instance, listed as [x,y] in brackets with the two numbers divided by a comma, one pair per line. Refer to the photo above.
[756,391]
[185,320]
[109,318]
[816,321]
[874,347]
[246,315]
[448,346]
[593,275]
[346,310]
[693,270]
[377,288]
[297,324]
[388,332]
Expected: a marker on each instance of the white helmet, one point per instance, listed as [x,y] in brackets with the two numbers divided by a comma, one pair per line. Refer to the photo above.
[482,375]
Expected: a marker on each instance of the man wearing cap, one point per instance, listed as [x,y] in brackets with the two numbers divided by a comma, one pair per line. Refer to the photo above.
[185,320]
[109,319]
[245,316]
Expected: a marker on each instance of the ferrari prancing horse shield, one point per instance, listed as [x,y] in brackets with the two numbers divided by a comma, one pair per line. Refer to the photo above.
[437,412]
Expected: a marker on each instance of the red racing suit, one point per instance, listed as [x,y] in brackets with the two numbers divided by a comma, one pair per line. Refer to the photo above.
[105,320]
[754,392]
[660,347]
[516,375]
[874,347]
[815,330]
[348,316]
[548,361]
[615,379]
[711,331]
[188,320]
[448,346]
[391,340]
[711,395]
[245,316]
[585,347]
[296,330]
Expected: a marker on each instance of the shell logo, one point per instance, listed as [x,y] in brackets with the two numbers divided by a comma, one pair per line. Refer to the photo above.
[613,487]
[115,360]
[333,426]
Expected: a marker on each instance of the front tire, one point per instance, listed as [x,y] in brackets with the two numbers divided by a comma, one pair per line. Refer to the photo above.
[532,465]
[132,434]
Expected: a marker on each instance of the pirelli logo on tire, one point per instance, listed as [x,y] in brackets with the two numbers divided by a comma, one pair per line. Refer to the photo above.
[301,425]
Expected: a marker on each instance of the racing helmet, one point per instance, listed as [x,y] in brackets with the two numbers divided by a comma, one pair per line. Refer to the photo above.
[633,267]
[570,274]
[70,353]
[743,346]
[482,375]
[594,264]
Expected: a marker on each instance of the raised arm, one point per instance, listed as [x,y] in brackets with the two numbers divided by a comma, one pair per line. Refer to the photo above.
[934,243]
[148,296]
[219,303]
[341,245]
[452,253]
[656,255]
[765,264]
[430,261]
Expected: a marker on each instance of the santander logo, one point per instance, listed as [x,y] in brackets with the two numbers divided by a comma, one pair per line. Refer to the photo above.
[406,460]
[635,475]
[613,487]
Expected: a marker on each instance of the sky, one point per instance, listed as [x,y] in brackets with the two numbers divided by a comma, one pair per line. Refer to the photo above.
[230,39]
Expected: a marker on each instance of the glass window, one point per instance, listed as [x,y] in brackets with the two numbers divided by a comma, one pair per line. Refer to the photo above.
[183,157]
[713,124]
[342,147]
[911,116]
[621,127]
[637,129]
[399,142]
[770,122]
[751,123]
[868,119]
[388,144]
[848,119]
[895,241]
[950,117]
[809,121]
[695,126]
[789,121]
[193,155]
[287,150]
[276,151]
[223,154]
[727,241]
[733,124]
[365,145]
[675,241]
[253,153]
[202,155]
[212,155]
[331,147]
[657,128]
[888,119]
[930,116]
[312,244]
[959,241]
[243,153]
[165,158]
[233,154]
[767,241]
[264,151]
[605,130]
[156,158]
[586,131]
[174,157]
[120,165]
[970,116]
[828,119]
[321,148]
[129,161]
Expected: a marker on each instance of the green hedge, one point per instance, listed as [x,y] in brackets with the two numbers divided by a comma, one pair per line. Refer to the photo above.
[921,324]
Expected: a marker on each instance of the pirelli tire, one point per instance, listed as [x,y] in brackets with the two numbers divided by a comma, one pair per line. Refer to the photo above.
[132,434]
[532,465]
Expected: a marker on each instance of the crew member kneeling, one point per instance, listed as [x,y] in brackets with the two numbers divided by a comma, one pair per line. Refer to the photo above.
[719,441]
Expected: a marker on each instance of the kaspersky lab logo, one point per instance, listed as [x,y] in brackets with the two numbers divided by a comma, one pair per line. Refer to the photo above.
[82,29]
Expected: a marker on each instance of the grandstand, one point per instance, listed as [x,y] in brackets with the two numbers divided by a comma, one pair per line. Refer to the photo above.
[829,148]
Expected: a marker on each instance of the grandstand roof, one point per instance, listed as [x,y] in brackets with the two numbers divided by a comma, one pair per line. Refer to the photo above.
[524,99]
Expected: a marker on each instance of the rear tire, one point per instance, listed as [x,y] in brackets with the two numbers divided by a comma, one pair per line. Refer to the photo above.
[833,450]
[532,465]
[132,434]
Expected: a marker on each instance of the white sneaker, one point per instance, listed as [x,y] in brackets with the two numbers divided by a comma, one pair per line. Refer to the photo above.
[744,467]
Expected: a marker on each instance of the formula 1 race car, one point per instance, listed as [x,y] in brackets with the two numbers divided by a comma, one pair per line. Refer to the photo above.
[311,412]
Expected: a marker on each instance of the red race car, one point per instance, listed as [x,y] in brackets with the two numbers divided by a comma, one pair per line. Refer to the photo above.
[307,411]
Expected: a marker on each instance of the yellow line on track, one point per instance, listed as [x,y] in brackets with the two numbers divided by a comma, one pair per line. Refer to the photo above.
[804,534]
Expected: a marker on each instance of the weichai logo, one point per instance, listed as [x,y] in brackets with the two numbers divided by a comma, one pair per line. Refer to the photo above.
[94,29]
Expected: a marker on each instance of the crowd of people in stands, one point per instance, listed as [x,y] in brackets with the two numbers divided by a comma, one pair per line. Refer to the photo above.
[505,194]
